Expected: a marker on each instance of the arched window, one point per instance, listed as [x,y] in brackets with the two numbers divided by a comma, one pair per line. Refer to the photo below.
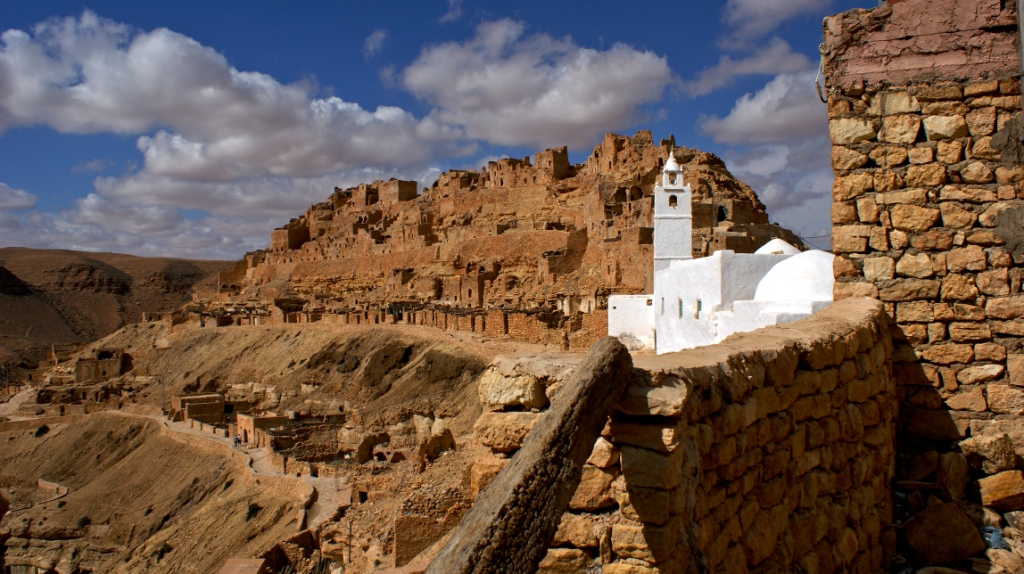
[672,201]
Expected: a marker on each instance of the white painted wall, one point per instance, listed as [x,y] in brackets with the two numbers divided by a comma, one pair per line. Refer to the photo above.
[631,319]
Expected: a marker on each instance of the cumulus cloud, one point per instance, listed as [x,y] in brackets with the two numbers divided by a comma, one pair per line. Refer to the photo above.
[511,89]
[374,42]
[454,11]
[784,109]
[92,75]
[782,151]
[11,198]
[751,20]
[775,58]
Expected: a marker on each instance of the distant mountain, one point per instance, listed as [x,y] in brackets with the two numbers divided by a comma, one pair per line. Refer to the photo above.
[57,297]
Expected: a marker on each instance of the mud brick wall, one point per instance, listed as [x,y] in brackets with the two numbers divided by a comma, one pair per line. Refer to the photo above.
[771,452]
[924,115]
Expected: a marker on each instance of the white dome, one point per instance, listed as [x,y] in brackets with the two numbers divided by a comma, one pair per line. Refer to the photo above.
[776,246]
[672,164]
[803,277]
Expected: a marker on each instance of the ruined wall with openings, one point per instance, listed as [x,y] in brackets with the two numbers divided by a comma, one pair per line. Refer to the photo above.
[770,452]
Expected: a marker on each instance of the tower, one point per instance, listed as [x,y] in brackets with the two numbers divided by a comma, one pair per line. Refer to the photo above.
[673,216]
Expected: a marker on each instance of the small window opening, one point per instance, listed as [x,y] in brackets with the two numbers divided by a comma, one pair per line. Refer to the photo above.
[650,303]
[672,201]
[662,305]
[696,309]
[680,304]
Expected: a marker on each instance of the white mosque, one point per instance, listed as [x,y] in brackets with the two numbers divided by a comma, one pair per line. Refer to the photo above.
[698,302]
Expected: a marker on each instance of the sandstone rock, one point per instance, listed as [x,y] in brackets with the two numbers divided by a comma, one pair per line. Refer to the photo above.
[604,454]
[969,194]
[971,399]
[504,432]
[649,543]
[844,158]
[992,453]
[983,149]
[938,92]
[498,392]
[888,155]
[900,129]
[852,186]
[970,258]
[484,470]
[931,240]
[938,425]
[913,218]
[1005,307]
[956,217]
[650,436]
[914,312]
[843,213]
[928,175]
[995,282]
[1015,519]
[1006,400]
[648,505]
[889,103]
[949,151]
[981,122]
[992,215]
[981,88]
[919,265]
[941,534]
[867,210]
[563,561]
[1009,562]
[1015,368]
[979,374]
[945,108]
[910,290]
[952,476]
[665,400]
[919,155]
[850,131]
[969,332]
[990,352]
[1003,491]
[643,467]
[948,354]
[579,530]
[977,172]
[944,127]
[959,288]
[594,491]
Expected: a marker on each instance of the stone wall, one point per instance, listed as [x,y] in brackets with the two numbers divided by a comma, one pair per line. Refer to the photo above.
[924,114]
[772,451]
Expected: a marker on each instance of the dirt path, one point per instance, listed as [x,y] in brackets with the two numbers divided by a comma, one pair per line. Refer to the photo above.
[10,407]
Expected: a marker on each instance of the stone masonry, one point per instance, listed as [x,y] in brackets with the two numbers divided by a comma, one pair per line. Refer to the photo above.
[770,452]
[924,103]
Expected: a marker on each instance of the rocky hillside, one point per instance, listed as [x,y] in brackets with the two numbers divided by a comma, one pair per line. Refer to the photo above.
[59,297]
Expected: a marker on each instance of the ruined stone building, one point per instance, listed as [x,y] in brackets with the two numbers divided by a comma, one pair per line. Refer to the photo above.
[542,239]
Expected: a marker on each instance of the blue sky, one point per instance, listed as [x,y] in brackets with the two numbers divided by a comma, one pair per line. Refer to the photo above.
[192,129]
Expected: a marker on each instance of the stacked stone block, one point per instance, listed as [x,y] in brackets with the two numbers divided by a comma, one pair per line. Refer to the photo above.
[770,452]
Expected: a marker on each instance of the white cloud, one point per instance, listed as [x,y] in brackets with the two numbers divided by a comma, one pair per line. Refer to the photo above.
[374,42]
[93,165]
[11,198]
[777,57]
[754,19]
[787,107]
[454,11]
[509,89]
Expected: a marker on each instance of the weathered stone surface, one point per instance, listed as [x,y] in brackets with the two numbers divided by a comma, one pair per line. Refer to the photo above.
[941,534]
[968,194]
[563,561]
[850,131]
[983,149]
[913,218]
[981,122]
[888,155]
[844,158]
[505,530]
[604,454]
[931,240]
[1006,399]
[977,172]
[859,289]
[666,399]
[483,471]
[649,543]
[504,432]
[850,238]
[867,210]
[656,437]
[956,217]
[992,216]
[938,425]
[879,268]
[971,258]
[919,155]
[889,103]
[949,151]
[843,213]
[852,186]
[968,399]
[900,129]
[945,127]
[919,266]
[994,282]
[969,332]
[1009,562]
[992,452]
[579,530]
[957,287]
[952,476]
[985,88]
[643,467]
[910,290]
[1003,491]
[1015,369]
[928,175]
[947,354]
[990,352]
[1005,307]
[498,391]
[594,491]
[648,505]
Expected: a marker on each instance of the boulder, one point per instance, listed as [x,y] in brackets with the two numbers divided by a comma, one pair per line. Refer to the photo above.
[952,477]
[498,392]
[1003,491]
[942,533]
[504,432]
[992,453]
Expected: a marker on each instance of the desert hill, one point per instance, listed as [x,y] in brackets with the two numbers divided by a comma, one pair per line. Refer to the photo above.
[59,297]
